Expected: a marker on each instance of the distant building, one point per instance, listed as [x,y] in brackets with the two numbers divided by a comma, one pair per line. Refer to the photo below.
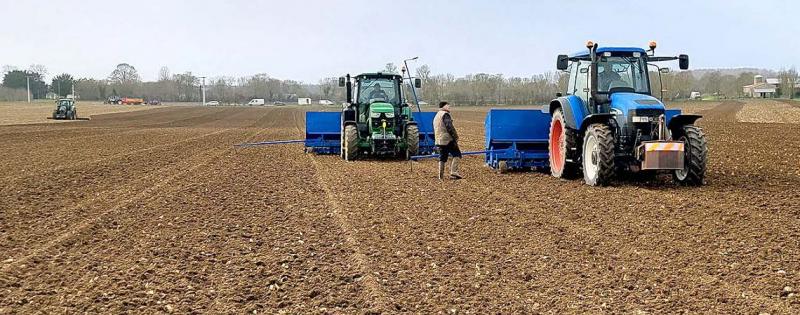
[761,88]
[303,101]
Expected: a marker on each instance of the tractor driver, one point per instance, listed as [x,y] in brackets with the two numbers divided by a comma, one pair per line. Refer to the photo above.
[377,92]
[607,76]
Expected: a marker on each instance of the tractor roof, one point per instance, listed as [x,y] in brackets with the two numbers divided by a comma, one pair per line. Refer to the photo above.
[600,50]
[379,75]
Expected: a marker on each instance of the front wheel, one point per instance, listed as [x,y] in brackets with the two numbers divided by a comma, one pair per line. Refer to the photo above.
[412,141]
[695,152]
[598,155]
[350,143]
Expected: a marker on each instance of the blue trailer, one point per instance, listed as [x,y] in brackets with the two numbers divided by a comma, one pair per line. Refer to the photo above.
[323,132]
[516,139]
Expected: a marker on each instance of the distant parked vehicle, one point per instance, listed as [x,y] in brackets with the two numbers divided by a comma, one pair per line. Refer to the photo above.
[212,103]
[326,102]
[153,102]
[278,103]
[695,96]
[113,100]
[256,102]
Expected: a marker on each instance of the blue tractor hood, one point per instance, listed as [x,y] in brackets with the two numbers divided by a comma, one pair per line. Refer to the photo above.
[625,102]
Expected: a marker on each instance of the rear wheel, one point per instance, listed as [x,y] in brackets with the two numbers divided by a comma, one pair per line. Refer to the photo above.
[598,155]
[502,167]
[562,143]
[695,156]
[350,142]
[412,141]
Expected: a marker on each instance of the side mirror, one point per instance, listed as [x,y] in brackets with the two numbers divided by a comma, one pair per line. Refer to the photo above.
[664,70]
[562,63]
[341,81]
[417,83]
[683,62]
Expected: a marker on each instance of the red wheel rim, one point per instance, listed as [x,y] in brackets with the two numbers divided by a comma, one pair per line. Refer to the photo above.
[556,156]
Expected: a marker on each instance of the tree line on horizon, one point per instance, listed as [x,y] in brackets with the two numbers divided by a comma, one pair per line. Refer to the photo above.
[472,89]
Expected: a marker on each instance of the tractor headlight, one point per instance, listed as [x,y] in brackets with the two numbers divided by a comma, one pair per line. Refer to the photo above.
[641,119]
[389,115]
[375,115]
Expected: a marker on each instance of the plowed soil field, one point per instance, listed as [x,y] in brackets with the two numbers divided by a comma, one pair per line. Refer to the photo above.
[156,211]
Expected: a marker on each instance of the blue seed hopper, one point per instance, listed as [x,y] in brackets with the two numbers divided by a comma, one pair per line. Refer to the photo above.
[517,138]
[323,132]
[427,140]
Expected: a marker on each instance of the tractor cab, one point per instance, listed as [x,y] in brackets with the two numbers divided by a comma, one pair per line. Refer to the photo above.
[379,101]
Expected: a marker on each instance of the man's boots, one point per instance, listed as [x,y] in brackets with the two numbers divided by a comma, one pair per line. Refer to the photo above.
[454,169]
[441,169]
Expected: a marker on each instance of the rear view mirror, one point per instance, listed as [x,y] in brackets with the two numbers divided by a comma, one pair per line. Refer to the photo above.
[417,83]
[562,63]
[664,70]
[341,81]
[683,62]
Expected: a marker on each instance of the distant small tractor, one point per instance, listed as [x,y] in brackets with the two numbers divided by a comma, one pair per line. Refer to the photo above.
[608,122]
[65,109]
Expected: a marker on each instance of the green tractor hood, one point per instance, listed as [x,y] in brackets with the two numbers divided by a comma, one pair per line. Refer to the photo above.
[381,107]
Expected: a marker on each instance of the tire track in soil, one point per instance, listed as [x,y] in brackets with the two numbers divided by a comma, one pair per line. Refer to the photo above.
[81,163]
[156,187]
[92,130]
[238,283]
[724,112]
[377,296]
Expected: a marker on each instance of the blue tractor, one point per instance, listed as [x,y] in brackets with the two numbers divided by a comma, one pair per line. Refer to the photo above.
[609,121]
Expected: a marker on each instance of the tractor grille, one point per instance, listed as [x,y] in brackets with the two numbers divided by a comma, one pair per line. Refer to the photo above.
[378,123]
[649,112]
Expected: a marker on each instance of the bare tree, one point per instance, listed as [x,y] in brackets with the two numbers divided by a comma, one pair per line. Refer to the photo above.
[390,68]
[40,69]
[164,74]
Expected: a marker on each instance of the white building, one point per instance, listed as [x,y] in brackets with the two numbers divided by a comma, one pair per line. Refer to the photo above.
[761,88]
[303,101]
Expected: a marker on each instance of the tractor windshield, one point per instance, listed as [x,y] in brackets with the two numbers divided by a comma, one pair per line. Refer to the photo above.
[378,90]
[622,74]
[63,103]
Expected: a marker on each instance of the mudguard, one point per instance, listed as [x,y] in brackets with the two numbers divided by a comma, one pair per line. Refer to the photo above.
[595,118]
[574,109]
[680,120]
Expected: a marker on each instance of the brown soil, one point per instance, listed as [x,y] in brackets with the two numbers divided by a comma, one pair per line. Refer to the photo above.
[156,211]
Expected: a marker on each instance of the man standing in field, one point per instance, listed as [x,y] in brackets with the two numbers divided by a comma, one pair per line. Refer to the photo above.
[446,140]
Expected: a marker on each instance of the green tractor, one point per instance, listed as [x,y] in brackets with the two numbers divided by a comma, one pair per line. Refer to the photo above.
[377,120]
[65,109]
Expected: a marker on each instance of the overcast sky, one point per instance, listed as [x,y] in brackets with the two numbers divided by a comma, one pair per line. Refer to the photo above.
[309,40]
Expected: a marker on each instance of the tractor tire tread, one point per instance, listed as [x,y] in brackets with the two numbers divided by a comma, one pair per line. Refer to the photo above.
[412,141]
[351,143]
[605,143]
[697,156]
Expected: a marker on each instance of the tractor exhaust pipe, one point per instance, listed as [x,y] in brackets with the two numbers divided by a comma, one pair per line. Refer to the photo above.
[349,89]
[593,69]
